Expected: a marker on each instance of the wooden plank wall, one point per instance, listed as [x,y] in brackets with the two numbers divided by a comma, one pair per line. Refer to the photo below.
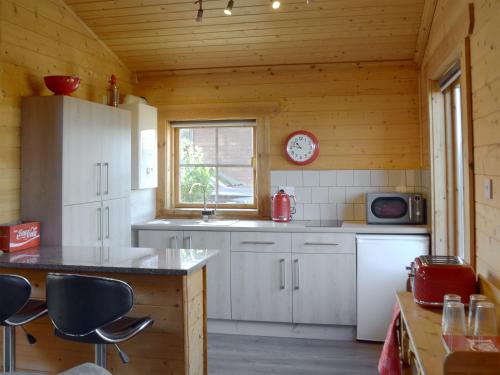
[365,115]
[485,77]
[38,38]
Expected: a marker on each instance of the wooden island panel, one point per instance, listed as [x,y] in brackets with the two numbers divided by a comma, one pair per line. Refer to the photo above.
[175,344]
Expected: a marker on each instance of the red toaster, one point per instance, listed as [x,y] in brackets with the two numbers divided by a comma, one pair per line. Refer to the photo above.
[435,276]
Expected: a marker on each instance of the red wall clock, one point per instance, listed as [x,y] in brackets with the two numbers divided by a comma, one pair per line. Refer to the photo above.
[301,147]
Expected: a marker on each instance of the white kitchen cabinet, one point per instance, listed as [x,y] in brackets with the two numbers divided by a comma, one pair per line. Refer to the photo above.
[324,288]
[144,145]
[74,153]
[261,242]
[116,154]
[116,222]
[218,270]
[261,287]
[83,224]
[161,239]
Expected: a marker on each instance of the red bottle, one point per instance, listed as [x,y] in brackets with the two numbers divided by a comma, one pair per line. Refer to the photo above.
[281,209]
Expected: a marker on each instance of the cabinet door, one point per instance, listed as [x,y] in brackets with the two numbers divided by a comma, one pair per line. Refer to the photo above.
[81,156]
[147,152]
[160,239]
[261,286]
[324,288]
[116,222]
[82,225]
[116,153]
[218,271]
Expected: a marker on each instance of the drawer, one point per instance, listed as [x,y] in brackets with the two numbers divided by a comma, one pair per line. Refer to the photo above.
[324,243]
[261,242]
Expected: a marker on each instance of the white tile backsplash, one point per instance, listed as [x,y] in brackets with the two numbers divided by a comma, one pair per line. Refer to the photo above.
[311,178]
[345,178]
[319,195]
[362,178]
[341,194]
[328,178]
[312,211]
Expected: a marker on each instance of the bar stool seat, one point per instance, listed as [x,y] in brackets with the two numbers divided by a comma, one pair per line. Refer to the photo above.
[33,310]
[113,333]
[92,310]
[16,310]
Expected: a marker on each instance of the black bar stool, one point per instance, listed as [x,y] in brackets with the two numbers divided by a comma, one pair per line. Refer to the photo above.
[92,310]
[16,310]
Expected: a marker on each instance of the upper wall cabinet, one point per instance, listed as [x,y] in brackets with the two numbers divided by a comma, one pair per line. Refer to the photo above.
[144,145]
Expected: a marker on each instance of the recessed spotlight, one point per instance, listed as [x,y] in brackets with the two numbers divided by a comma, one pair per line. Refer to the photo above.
[229,8]
[276,4]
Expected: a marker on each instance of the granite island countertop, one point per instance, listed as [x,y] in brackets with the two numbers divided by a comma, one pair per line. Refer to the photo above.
[134,260]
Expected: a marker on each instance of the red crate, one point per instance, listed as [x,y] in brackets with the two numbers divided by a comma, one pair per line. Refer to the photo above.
[17,237]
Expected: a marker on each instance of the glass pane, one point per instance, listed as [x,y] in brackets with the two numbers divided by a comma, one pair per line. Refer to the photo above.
[236,146]
[236,185]
[197,145]
[193,181]
[389,208]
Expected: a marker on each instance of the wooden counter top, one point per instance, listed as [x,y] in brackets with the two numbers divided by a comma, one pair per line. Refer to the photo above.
[424,329]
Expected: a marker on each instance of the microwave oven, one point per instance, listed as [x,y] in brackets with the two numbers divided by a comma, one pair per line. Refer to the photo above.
[395,208]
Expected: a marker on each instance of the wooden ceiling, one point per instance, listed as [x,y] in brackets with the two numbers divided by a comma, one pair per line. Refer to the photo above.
[150,35]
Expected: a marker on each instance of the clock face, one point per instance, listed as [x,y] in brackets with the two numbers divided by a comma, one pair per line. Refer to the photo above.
[302,147]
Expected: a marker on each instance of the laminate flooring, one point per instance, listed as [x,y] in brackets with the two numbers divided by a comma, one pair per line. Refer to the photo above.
[253,355]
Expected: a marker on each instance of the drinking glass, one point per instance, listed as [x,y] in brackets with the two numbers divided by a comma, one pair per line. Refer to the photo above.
[449,298]
[473,301]
[454,321]
[486,320]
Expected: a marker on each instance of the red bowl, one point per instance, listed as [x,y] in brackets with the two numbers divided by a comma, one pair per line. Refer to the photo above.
[62,85]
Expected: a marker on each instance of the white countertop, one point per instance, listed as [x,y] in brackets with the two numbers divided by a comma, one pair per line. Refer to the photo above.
[271,226]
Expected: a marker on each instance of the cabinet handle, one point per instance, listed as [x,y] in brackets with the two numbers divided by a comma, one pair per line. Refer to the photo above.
[258,242]
[176,239]
[189,241]
[99,227]
[321,244]
[296,279]
[106,165]
[282,274]
[99,168]
[107,222]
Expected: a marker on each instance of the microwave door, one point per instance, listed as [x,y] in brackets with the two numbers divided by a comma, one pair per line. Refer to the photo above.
[389,210]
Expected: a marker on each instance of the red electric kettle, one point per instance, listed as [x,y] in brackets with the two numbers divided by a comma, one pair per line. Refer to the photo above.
[281,207]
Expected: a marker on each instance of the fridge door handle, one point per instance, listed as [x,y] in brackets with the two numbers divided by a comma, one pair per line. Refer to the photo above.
[106,165]
[99,226]
[107,221]
[99,172]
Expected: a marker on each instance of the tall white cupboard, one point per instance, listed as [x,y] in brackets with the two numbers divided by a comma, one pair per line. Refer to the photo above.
[76,171]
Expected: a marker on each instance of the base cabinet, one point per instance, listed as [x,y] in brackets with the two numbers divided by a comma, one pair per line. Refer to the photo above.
[261,287]
[324,288]
[218,270]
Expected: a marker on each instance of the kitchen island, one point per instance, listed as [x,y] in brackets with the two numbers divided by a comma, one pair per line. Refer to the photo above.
[169,285]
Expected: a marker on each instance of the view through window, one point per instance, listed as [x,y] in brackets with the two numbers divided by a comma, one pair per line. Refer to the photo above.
[216,162]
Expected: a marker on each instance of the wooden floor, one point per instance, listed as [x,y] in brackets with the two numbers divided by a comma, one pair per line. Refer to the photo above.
[249,355]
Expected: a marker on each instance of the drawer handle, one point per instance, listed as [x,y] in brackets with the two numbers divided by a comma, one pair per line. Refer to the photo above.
[258,242]
[321,244]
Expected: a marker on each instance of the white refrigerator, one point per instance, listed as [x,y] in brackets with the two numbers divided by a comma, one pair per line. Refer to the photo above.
[381,271]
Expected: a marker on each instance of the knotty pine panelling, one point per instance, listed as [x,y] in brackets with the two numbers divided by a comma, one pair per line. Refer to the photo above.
[158,35]
[39,38]
[485,83]
[365,115]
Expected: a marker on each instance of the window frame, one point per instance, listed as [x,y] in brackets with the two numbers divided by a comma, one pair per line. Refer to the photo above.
[177,204]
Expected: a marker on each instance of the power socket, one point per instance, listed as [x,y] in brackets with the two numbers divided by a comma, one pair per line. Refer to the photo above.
[488,188]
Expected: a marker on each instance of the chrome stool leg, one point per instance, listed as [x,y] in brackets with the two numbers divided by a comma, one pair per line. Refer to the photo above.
[100,355]
[9,349]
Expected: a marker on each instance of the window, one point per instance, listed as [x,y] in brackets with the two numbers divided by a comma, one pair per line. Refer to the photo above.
[215,160]
[455,166]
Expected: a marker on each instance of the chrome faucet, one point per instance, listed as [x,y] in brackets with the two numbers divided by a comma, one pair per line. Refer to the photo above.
[206,214]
